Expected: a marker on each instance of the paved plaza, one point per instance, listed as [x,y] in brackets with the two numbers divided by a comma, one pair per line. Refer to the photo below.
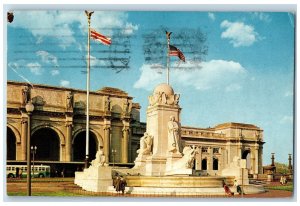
[58,186]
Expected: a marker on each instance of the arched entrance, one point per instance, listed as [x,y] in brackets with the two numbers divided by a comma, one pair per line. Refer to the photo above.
[47,142]
[204,164]
[247,155]
[11,145]
[215,164]
[79,146]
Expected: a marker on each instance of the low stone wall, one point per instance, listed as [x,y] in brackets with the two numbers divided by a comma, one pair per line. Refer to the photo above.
[178,181]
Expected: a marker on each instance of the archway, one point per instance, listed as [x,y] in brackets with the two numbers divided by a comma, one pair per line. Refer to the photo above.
[79,146]
[247,155]
[47,142]
[215,164]
[11,145]
[204,164]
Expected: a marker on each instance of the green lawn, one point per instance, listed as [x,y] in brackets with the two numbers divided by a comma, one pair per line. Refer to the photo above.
[288,187]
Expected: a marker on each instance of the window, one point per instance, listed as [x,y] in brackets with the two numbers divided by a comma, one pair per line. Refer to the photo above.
[216,150]
[215,164]
[204,149]
[204,164]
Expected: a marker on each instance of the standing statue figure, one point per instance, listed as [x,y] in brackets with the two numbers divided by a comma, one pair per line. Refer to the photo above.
[107,104]
[145,145]
[173,135]
[100,158]
[189,156]
[127,107]
[25,95]
[176,99]
[69,101]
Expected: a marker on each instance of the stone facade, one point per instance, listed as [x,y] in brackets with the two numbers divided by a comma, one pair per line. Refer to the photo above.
[219,145]
[115,124]
[60,112]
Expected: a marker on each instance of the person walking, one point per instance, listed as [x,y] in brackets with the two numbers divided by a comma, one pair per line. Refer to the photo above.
[238,187]
[227,189]
[117,182]
[123,184]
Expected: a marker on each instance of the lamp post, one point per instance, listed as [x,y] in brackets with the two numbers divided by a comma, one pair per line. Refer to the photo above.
[33,151]
[290,168]
[29,109]
[113,151]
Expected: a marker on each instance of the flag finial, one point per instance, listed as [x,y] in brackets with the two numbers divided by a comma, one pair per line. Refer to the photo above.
[168,34]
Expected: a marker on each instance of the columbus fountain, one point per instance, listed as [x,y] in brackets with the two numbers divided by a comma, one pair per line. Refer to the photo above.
[164,165]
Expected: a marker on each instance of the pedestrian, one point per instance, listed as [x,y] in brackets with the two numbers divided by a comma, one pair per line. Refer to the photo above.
[283,180]
[20,174]
[227,189]
[117,182]
[63,172]
[238,187]
[123,184]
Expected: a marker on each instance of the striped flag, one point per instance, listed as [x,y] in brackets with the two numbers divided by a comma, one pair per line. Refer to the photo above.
[99,37]
[176,52]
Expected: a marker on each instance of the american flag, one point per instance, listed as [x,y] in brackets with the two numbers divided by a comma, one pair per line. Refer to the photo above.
[176,52]
[99,37]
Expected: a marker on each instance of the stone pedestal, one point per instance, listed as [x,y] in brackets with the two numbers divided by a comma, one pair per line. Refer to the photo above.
[155,166]
[238,171]
[94,178]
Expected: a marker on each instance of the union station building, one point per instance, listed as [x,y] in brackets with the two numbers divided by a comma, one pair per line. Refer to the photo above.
[58,130]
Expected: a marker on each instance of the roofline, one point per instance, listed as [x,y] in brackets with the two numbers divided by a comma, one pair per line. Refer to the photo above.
[67,89]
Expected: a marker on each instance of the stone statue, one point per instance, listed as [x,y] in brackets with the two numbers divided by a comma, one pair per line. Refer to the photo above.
[69,101]
[176,99]
[107,104]
[189,156]
[173,135]
[127,107]
[25,95]
[163,98]
[100,159]
[145,145]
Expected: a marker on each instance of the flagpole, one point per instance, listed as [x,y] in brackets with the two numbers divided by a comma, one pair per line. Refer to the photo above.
[86,162]
[168,58]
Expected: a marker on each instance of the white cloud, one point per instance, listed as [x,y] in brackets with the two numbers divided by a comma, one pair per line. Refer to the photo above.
[47,57]
[286,119]
[130,28]
[61,24]
[54,72]
[288,94]
[35,68]
[262,16]
[64,83]
[214,74]
[238,33]
[96,62]
[211,16]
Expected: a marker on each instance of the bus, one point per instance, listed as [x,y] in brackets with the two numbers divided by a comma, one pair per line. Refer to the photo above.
[20,171]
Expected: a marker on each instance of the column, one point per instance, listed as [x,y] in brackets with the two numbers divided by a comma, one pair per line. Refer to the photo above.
[200,159]
[69,142]
[256,159]
[106,142]
[24,127]
[210,165]
[260,160]
[125,145]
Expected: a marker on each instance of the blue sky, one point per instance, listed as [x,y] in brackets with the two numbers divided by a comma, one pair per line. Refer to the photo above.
[246,76]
